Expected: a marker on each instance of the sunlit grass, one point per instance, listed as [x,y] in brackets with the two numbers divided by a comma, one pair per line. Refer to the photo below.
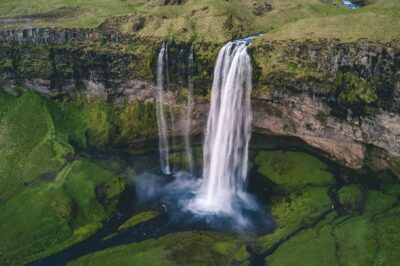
[206,19]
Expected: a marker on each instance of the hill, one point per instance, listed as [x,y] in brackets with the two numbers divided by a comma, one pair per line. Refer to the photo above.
[211,20]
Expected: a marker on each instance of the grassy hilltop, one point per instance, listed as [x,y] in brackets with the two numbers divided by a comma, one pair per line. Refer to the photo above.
[211,20]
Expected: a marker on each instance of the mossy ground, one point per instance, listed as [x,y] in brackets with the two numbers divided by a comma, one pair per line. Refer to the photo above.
[356,231]
[49,197]
[99,124]
[139,218]
[293,170]
[185,248]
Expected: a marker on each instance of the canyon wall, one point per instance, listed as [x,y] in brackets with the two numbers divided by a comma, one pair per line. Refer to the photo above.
[341,98]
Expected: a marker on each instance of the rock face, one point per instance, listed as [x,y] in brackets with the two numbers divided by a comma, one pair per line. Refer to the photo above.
[50,36]
[304,94]
[309,118]
[341,98]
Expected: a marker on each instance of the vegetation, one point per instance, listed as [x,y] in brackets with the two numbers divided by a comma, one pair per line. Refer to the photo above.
[214,21]
[358,231]
[355,90]
[52,195]
[49,197]
[139,218]
[351,197]
[293,170]
[186,248]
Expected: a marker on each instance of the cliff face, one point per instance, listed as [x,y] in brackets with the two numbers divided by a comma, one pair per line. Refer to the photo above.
[341,98]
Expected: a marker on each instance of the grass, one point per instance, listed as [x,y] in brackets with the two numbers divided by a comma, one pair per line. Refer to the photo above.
[98,124]
[214,20]
[47,201]
[366,237]
[351,197]
[301,195]
[361,235]
[370,238]
[293,170]
[29,146]
[49,217]
[139,218]
[185,248]
[310,247]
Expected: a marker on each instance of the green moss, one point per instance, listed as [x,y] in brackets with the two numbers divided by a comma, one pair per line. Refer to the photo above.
[82,190]
[135,119]
[33,62]
[186,248]
[301,207]
[356,242]
[291,170]
[279,67]
[54,215]
[146,52]
[310,247]
[139,218]
[354,90]
[393,189]
[379,201]
[86,123]
[48,201]
[370,238]
[297,209]
[113,164]
[388,237]
[351,197]
[29,145]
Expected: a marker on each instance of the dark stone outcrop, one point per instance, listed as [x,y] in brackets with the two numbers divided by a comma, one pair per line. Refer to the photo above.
[61,36]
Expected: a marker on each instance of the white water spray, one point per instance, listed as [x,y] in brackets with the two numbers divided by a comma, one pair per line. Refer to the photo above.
[188,118]
[228,132]
[161,121]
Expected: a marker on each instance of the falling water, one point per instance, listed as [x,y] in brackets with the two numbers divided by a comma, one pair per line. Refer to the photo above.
[161,121]
[188,119]
[228,131]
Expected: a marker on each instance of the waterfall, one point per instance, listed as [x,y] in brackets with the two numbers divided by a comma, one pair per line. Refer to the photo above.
[228,131]
[188,118]
[162,64]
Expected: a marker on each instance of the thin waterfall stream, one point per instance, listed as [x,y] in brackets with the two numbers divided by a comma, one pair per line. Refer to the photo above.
[188,121]
[161,119]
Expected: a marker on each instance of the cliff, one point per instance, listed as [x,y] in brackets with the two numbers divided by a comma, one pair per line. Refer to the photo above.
[342,98]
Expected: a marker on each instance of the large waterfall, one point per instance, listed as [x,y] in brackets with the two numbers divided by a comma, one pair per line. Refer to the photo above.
[162,64]
[228,131]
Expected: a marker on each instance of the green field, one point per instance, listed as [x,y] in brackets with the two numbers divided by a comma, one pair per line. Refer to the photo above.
[211,20]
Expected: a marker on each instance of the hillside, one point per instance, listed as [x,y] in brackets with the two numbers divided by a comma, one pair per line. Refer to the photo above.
[211,20]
